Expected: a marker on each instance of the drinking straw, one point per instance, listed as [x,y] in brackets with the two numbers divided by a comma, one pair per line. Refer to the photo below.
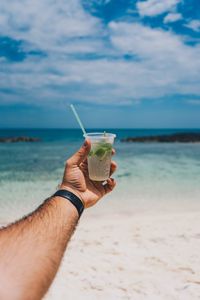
[78,120]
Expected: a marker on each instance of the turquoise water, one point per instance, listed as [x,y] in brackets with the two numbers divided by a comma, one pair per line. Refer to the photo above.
[149,176]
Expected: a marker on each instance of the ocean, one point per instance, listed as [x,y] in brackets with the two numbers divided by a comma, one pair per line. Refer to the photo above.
[150,177]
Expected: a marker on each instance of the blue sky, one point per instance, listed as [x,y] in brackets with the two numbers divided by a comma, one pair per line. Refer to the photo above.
[123,63]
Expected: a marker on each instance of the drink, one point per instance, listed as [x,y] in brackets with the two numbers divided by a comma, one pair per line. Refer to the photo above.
[99,158]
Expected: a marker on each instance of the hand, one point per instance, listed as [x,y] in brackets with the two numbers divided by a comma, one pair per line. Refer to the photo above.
[76,178]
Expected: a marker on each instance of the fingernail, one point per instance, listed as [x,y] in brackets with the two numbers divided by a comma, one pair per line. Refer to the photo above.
[85,143]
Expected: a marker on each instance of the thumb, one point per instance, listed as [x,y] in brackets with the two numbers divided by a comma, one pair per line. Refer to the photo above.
[81,154]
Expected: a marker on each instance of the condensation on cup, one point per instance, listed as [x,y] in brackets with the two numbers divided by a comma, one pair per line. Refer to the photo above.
[99,158]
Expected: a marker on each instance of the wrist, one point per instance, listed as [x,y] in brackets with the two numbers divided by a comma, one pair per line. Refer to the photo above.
[69,196]
[65,206]
[72,190]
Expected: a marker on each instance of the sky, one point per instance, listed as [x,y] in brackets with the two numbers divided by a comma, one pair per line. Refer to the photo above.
[122,63]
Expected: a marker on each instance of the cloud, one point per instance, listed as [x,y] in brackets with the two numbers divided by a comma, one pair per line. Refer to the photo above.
[166,63]
[194,25]
[172,17]
[46,24]
[155,7]
[88,61]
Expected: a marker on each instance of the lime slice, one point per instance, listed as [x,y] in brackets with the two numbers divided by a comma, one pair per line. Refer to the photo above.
[102,157]
[100,152]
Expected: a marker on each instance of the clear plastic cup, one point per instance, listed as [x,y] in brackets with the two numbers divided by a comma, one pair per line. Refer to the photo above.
[99,158]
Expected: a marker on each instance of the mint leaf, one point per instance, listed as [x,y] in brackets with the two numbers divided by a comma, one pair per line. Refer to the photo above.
[100,152]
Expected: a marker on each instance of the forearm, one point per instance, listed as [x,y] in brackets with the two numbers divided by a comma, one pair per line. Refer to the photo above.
[32,248]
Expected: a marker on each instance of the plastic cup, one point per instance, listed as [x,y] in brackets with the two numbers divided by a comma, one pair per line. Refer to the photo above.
[99,158]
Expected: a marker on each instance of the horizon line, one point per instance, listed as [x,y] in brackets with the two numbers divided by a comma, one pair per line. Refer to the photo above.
[93,128]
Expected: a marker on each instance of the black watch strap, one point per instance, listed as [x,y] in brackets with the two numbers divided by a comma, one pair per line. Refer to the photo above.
[72,198]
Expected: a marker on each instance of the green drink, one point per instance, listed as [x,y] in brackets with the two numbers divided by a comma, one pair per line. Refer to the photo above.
[99,158]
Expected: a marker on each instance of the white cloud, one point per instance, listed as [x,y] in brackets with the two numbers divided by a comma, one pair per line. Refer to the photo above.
[164,65]
[194,25]
[167,65]
[155,7]
[46,24]
[172,17]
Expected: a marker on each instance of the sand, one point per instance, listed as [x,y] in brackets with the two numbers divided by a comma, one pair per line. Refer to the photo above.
[131,256]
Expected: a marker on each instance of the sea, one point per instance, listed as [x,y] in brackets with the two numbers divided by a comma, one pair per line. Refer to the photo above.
[151,177]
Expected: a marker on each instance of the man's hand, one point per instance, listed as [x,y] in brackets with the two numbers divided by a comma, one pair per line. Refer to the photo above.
[31,249]
[76,178]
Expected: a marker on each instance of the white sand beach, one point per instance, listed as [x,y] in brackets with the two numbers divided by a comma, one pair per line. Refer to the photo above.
[132,256]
